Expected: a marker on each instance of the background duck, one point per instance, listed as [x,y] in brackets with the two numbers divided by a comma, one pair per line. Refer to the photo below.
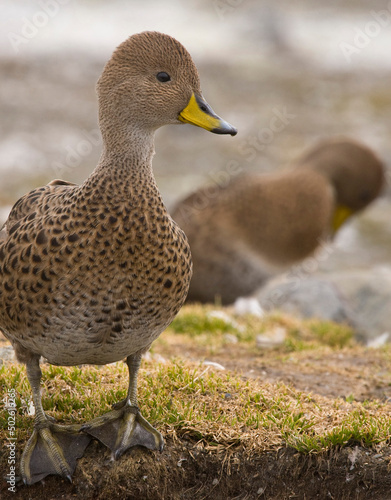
[260,224]
[94,273]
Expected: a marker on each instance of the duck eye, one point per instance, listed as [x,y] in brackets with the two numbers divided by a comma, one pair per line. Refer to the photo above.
[162,76]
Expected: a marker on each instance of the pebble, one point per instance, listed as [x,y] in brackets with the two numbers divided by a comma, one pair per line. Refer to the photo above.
[230,338]
[378,341]
[7,354]
[155,357]
[222,315]
[274,338]
[248,305]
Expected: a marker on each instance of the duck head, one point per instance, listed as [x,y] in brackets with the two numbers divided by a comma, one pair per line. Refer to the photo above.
[354,171]
[151,81]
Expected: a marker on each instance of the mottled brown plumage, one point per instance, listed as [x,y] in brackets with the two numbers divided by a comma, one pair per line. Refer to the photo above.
[94,273]
[259,225]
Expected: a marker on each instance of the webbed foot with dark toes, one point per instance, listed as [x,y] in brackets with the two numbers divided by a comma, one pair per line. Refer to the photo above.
[52,449]
[124,426]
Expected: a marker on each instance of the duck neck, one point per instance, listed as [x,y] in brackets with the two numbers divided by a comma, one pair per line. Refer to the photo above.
[125,167]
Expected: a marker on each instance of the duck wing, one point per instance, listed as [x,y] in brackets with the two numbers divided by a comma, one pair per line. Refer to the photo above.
[34,201]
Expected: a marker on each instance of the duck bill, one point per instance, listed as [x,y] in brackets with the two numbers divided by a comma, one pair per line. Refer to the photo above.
[199,113]
[341,213]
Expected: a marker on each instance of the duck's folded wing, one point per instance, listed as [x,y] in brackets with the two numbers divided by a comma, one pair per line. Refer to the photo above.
[33,201]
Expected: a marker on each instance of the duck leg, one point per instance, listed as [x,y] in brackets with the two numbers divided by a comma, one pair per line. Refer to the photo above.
[52,448]
[124,427]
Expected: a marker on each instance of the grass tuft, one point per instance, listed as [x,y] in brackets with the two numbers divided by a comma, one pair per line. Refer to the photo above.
[189,400]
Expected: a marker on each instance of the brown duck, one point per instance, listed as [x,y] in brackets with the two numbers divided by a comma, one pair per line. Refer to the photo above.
[94,273]
[259,225]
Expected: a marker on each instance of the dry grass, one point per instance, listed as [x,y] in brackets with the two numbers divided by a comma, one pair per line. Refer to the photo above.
[218,408]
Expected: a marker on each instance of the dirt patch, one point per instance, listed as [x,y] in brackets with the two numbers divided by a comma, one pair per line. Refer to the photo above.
[185,470]
[358,372]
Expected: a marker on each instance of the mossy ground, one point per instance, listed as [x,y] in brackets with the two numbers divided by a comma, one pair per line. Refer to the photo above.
[258,428]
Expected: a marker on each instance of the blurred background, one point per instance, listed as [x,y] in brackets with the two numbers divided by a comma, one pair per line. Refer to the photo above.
[323,68]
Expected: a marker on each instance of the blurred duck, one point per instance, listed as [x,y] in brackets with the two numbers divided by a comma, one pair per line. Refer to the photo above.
[261,224]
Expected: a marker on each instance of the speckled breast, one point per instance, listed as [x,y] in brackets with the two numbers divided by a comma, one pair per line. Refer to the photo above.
[93,293]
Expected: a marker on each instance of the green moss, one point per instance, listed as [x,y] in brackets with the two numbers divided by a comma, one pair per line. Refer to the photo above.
[196,324]
[331,334]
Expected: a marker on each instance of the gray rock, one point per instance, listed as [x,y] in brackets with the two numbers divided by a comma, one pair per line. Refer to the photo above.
[307,297]
[360,298]
[7,354]
[369,294]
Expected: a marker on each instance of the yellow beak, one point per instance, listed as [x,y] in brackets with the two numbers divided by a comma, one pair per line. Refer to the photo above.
[341,213]
[199,113]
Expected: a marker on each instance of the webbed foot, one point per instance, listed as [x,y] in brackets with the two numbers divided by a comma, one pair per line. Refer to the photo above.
[52,449]
[123,428]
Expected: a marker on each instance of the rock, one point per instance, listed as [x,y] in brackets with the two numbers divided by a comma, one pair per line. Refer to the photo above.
[274,338]
[227,319]
[360,298]
[248,305]
[369,294]
[155,357]
[7,354]
[307,297]
[379,341]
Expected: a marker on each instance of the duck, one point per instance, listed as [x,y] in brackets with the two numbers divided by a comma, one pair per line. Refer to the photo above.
[94,273]
[258,225]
